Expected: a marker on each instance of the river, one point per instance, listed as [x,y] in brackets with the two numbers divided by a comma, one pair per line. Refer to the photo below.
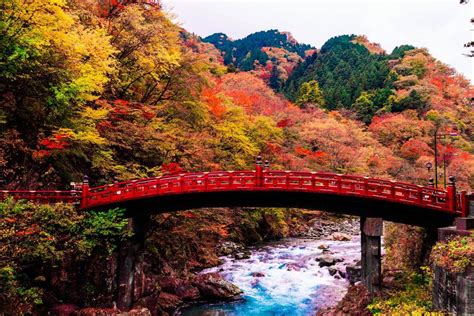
[283,278]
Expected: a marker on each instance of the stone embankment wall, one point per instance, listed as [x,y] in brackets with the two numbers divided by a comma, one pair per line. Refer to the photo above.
[453,292]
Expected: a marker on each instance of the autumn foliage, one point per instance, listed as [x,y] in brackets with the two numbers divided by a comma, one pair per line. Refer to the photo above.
[148,98]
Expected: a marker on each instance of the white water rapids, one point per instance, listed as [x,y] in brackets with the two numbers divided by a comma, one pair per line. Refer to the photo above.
[283,278]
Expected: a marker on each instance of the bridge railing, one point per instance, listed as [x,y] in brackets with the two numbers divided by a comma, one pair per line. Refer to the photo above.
[47,197]
[267,180]
[271,181]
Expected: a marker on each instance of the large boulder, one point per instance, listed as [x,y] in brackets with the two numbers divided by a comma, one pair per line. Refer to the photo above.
[353,273]
[229,247]
[214,286]
[181,288]
[160,303]
[168,301]
[326,261]
[340,237]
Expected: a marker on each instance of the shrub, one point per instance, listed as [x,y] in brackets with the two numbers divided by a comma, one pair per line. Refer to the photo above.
[456,255]
[413,299]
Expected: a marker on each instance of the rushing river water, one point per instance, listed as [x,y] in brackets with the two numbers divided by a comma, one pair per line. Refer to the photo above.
[283,278]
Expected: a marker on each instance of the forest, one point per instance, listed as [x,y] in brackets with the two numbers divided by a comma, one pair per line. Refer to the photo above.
[117,91]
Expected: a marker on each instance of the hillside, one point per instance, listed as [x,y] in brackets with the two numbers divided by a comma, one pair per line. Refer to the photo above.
[272,55]
[244,52]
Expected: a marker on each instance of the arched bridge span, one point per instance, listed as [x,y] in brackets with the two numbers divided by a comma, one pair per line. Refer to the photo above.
[363,196]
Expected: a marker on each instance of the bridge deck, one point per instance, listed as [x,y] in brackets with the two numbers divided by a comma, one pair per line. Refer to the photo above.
[256,181]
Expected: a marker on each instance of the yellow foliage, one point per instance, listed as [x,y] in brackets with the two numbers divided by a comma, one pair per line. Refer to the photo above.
[50,30]
[148,50]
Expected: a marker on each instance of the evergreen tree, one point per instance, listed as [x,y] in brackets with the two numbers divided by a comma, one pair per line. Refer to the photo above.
[309,93]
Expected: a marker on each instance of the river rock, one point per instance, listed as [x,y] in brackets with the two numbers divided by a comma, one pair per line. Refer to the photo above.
[214,286]
[182,288]
[258,274]
[353,273]
[332,271]
[242,255]
[341,273]
[354,303]
[168,301]
[160,302]
[323,247]
[229,247]
[293,267]
[326,261]
[340,237]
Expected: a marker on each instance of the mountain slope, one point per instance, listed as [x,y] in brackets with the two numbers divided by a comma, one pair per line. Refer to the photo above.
[244,52]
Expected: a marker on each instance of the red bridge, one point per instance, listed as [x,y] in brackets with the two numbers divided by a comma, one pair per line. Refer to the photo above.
[390,200]
[374,200]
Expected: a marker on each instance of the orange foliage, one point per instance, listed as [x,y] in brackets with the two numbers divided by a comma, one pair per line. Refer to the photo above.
[414,149]
[209,95]
[171,168]
[253,94]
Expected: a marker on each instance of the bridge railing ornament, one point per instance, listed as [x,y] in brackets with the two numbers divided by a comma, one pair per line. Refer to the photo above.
[260,179]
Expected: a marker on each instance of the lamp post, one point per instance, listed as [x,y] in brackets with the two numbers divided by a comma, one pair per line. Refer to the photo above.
[428,166]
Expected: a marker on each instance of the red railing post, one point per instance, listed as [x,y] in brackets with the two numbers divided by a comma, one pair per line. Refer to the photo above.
[85,191]
[451,194]
[259,172]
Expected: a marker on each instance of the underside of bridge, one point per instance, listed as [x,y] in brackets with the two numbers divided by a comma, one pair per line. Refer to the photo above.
[341,204]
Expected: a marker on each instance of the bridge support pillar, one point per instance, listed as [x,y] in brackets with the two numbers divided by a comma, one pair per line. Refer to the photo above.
[129,252]
[371,231]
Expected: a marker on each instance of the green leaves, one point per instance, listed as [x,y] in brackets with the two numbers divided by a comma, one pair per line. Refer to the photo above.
[34,236]
[343,70]
[310,94]
[105,224]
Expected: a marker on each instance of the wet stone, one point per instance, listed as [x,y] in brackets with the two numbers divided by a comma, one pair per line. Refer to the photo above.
[326,261]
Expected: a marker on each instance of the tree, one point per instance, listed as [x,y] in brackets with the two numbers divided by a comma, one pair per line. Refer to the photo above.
[364,107]
[149,54]
[343,69]
[51,65]
[310,94]
[471,43]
